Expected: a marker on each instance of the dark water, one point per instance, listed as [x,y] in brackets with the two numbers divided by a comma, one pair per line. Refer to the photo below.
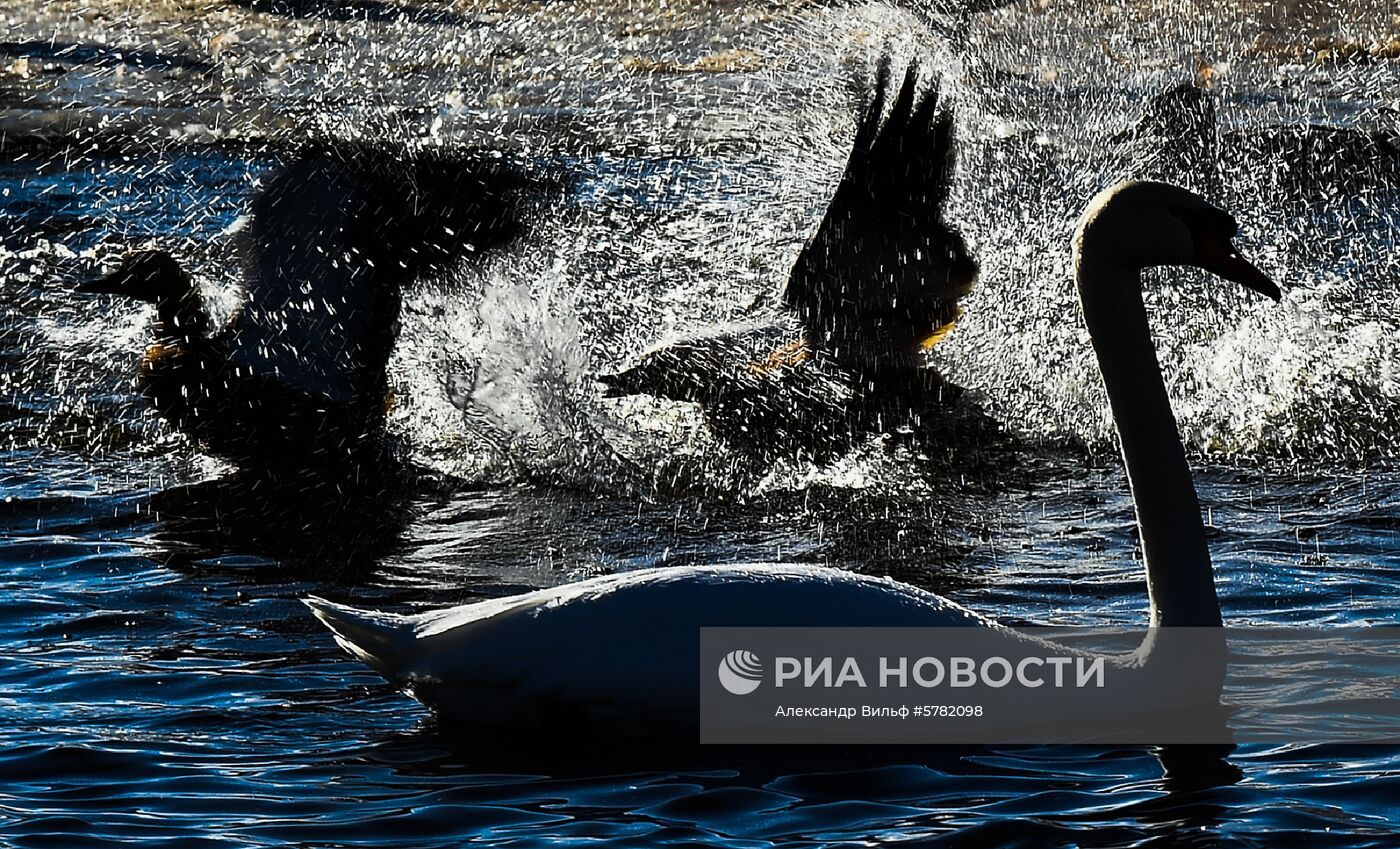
[160,680]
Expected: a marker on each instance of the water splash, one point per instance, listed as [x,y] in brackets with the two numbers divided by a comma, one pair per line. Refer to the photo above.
[1311,380]
[699,179]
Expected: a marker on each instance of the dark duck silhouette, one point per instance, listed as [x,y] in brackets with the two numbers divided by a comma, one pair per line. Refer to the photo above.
[1180,138]
[298,375]
[872,291]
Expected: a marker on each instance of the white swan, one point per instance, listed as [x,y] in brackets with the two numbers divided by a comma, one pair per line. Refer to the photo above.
[617,654]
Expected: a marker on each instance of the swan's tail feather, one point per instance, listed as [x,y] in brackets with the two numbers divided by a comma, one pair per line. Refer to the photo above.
[380,640]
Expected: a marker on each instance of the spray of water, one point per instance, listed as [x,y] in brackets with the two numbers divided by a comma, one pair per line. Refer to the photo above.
[705,143]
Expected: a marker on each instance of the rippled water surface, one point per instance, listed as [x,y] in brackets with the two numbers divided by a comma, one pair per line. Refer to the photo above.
[161,681]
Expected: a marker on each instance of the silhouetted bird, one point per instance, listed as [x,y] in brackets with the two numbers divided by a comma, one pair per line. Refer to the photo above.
[298,374]
[870,294]
[1179,138]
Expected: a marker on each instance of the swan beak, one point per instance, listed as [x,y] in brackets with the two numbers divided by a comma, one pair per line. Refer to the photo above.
[1220,256]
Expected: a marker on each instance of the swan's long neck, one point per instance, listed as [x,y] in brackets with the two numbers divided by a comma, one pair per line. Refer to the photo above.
[1180,582]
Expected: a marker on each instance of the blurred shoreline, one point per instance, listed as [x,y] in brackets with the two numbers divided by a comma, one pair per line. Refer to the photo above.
[649,78]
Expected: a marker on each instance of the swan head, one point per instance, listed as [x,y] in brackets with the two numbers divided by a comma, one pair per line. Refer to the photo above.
[1138,224]
[152,276]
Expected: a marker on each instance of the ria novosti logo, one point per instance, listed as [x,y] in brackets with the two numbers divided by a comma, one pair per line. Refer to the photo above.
[740,672]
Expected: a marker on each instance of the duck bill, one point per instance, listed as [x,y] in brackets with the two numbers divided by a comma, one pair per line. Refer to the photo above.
[116,283]
[119,282]
[1223,259]
[618,384]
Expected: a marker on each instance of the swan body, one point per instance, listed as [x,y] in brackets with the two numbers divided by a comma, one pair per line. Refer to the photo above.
[299,372]
[613,654]
[576,649]
[873,290]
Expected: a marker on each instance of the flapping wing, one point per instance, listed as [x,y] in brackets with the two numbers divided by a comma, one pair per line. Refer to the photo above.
[881,278]
[333,237]
[310,300]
